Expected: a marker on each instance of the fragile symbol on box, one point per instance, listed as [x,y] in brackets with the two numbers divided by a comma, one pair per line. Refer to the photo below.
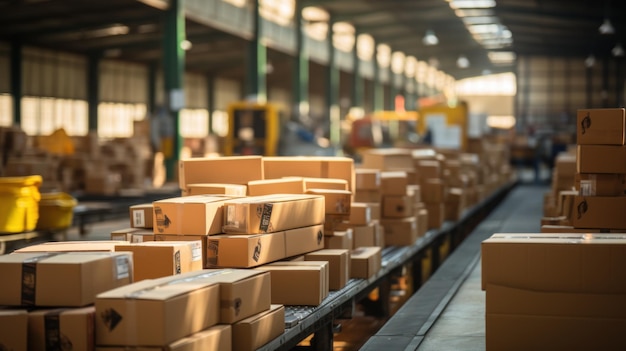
[585,123]
[110,318]
[212,251]
[320,237]
[162,221]
[582,208]
[257,251]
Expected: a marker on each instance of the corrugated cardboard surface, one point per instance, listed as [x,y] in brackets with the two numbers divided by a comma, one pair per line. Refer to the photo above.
[367,179]
[14,331]
[310,166]
[397,206]
[62,329]
[302,240]
[365,262]
[400,232]
[388,159]
[338,264]
[600,126]
[336,202]
[74,246]
[216,189]
[303,284]
[232,170]
[394,183]
[141,216]
[190,215]
[158,259]
[253,332]
[244,251]
[600,184]
[339,240]
[601,159]
[360,213]
[599,212]
[276,186]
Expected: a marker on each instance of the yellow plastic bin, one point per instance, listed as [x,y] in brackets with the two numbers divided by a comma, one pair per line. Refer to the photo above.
[19,203]
[56,211]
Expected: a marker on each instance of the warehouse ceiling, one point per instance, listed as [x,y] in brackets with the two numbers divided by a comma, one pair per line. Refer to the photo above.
[132,30]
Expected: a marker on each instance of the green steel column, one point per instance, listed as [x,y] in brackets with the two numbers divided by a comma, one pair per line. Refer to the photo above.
[357,80]
[379,93]
[393,91]
[301,69]
[16,81]
[152,78]
[174,69]
[332,90]
[210,79]
[93,91]
[257,59]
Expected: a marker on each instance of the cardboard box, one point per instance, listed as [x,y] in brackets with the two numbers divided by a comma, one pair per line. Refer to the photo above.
[600,184]
[310,166]
[298,283]
[302,240]
[73,246]
[339,240]
[362,235]
[141,216]
[142,236]
[272,213]
[125,234]
[338,264]
[215,189]
[436,214]
[336,202]
[394,183]
[433,190]
[325,183]
[156,259]
[365,262]
[255,331]
[397,206]
[601,159]
[190,215]
[604,126]
[599,212]
[174,237]
[400,231]
[555,228]
[565,165]
[61,328]
[244,251]
[428,169]
[217,337]
[544,262]
[291,185]
[157,312]
[415,191]
[367,179]
[376,210]
[71,279]
[360,213]
[14,331]
[368,196]
[390,159]
[232,170]
[422,222]
[380,235]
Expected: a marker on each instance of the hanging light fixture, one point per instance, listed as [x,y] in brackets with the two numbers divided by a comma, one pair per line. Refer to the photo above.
[590,61]
[618,50]
[462,62]
[606,27]
[430,38]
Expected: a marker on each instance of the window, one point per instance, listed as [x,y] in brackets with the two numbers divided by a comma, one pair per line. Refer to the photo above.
[194,123]
[44,115]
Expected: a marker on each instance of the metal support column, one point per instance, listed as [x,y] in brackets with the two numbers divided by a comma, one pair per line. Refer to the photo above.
[257,60]
[93,90]
[393,91]
[357,80]
[301,68]
[332,90]
[174,69]
[210,79]
[16,81]
[152,79]
[379,92]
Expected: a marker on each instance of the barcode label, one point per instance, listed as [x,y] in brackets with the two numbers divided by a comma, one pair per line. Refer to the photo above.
[196,252]
[139,219]
[122,268]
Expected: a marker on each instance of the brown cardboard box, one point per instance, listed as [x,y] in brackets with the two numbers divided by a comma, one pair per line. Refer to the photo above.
[158,312]
[436,214]
[544,262]
[107,183]
[142,236]
[291,185]
[73,246]
[400,231]
[215,189]
[380,235]
[174,237]
[397,206]
[70,279]
[302,240]
[376,210]
[422,222]
[368,196]
[360,213]
[428,169]
[565,164]
[298,284]
[190,215]
[365,262]
[600,184]
[141,216]
[14,331]
[325,269]
[604,126]
[253,332]
[244,251]
[555,228]
[231,170]
[393,183]
[217,337]
[339,240]
[310,166]
[156,259]
[125,234]
[599,212]
[433,190]
[272,213]
[338,264]
[336,202]
[63,328]
[601,159]
[367,179]
[415,191]
[325,183]
[362,235]
[391,159]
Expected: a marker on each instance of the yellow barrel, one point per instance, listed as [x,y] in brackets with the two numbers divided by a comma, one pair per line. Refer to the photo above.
[19,203]
[56,211]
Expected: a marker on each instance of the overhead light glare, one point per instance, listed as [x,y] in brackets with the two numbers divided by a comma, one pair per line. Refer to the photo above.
[590,61]
[430,38]
[462,62]
[480,20]
[501,56]
[606,27]
[186,45]
[472,4]
[473,12]
[618,50]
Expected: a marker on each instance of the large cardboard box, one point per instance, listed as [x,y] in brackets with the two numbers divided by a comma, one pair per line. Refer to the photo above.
[368,196]
[433,190]
[599,212]
[400,231]
[600,184]
[302,240]
[428,169]
[124,234]
[157,312]
[367,179]
[141,216]
[73,246]
[310,166]
[244,251]
[395,206]
[156,259]
[70,279]
[394,183]
[362,235]
[325,183]
[60,329]
[604,126]
[298,283]
[544,262]
[190,215]
[217,337]
[338,264]
[360,213]
[551,228]
[272,213]
[174,237]
[365,262]
[601,159]
[391,159]
[143,235]
[342,240]
[336,202]
[436,214]
[14,331]
[291,185]
[215,189]
[255,331]
[231,170]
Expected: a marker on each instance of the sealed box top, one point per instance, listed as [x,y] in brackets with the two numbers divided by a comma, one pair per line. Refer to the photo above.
[195,199]
[73,246]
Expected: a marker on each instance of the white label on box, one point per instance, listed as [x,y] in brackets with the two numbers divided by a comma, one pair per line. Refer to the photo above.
[138,219]
[137,239]
[122,267]
[196,251]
